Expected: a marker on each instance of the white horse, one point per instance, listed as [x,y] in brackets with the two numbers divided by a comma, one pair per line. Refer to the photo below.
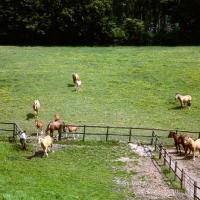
[184,100]
[36,107]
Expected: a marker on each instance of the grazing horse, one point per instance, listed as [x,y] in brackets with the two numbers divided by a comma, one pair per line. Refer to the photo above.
[184,100]
[36,107]
[52,126]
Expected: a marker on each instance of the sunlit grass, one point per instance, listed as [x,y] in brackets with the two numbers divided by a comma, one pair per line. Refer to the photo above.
[125,86]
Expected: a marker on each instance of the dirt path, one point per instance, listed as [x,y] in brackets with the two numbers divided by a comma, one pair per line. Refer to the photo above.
[148,182]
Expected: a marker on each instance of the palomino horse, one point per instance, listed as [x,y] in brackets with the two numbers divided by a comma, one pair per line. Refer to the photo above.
[184,100]
[36,107]
[75,77]
[52,126]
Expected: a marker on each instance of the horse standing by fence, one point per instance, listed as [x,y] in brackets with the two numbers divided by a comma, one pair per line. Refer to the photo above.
[52,126]
[36,107]
[184,100]
[72,129]
[179,140]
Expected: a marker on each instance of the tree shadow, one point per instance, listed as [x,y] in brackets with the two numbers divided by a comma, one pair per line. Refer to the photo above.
[30,116]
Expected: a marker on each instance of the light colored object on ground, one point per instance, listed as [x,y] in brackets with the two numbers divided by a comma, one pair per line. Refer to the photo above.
[36,107]
[184,100]
[46,143]
[39,125]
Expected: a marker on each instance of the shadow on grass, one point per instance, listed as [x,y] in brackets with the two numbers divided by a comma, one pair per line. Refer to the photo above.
[30,116]
[70,85]
[176,108]
[37,154]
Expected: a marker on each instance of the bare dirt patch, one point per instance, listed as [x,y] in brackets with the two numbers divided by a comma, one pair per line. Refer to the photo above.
[147,179]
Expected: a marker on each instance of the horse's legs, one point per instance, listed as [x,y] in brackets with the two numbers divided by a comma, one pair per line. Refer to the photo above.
[51,133]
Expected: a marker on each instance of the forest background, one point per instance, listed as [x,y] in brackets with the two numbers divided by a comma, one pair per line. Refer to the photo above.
[100,22]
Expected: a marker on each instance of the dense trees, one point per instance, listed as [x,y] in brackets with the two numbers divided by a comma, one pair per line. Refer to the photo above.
[100,22]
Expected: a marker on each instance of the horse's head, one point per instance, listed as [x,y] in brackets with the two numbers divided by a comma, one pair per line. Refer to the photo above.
[177,96]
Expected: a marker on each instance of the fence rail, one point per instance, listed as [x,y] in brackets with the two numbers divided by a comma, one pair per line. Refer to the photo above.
[186,181]
[130,134]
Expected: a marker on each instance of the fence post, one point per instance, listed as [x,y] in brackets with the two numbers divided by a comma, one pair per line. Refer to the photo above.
[60,132]
[155,143]
[84,133]
[199,135]
[175,170]
[195,189]
[153,135]
[170,161]
[182,178]
[165,156]
[107,133]
[130,136]
[160,149]
[14,130]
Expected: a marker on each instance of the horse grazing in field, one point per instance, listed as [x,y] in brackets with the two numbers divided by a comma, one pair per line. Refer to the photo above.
[46,143]
[36,107]
[52,126]
[184,100]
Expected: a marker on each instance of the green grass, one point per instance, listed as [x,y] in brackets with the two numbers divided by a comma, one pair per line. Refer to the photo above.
[82,171]
[122,86]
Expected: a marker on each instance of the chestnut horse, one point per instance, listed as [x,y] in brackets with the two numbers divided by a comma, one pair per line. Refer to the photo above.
[184,100]
[36,107]
[52,126]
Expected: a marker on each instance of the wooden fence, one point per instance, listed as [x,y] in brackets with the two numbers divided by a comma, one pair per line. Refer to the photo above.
[187,183]
[130,134]
[10,127]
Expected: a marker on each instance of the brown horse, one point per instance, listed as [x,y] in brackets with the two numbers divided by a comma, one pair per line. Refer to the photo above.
[184,100]
[75,77]
[52,126]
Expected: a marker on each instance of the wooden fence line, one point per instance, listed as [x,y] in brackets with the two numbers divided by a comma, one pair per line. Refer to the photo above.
[186,182]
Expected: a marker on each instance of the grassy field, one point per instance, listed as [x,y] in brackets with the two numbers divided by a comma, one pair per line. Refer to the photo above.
[122,86]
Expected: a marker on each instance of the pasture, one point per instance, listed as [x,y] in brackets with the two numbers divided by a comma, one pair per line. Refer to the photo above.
[121,86]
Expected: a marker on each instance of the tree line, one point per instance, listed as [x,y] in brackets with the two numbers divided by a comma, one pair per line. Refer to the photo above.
[100,22]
